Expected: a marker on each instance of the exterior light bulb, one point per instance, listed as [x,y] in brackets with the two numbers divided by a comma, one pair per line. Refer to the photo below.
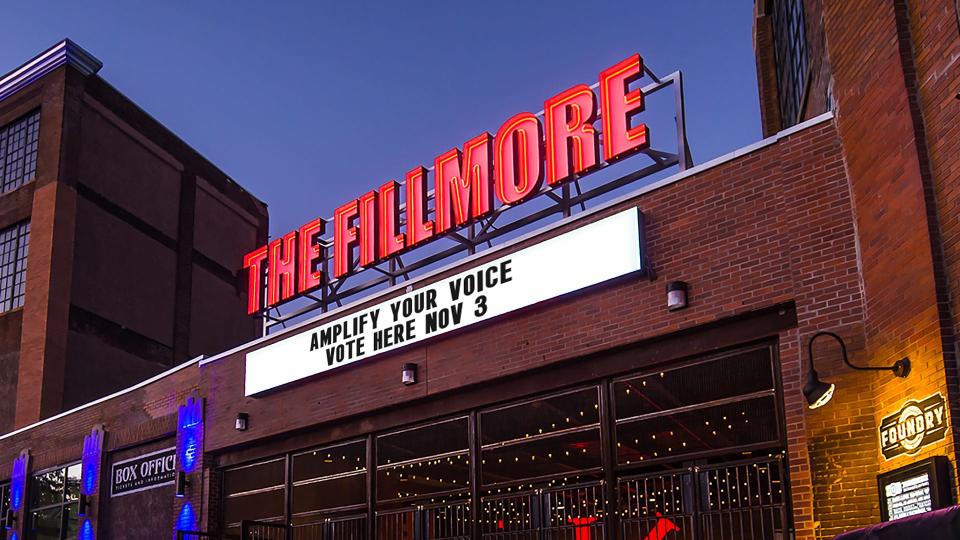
[817,392]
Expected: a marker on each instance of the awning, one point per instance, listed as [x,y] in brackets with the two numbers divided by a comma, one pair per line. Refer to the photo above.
[941,524]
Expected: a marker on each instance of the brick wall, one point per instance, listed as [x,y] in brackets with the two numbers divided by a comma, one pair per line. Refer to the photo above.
[770,226]
[873,66]
[935,39]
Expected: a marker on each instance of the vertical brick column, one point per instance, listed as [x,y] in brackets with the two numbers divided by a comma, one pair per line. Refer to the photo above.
[46,305]
[898,267]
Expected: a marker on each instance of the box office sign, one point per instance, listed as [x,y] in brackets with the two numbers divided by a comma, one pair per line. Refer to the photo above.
[143,472]
[916,425]
[594,253]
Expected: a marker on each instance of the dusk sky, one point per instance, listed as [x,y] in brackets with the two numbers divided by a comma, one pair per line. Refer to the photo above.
[309,104]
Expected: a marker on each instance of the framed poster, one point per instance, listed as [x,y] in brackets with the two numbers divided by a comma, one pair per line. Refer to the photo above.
[914,489]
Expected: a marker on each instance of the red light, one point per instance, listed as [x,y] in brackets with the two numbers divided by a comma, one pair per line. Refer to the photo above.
[519,154]
[282,268]
[253,262]
[344,237]
[572,142]
[619,106]
[368,228]
[581,526]
[662,528]
[308,275]
[419,229]
[462,183]
[391,239]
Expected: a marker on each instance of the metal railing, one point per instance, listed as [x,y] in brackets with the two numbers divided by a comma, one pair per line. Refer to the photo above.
[576,512]
[743,500]
[732,501]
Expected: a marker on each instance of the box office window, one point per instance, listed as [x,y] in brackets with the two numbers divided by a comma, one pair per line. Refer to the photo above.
[722,404]
[254,492]
[551,436]
[53,504]
[430,460]
[329,479]
[19,141]
[14,241]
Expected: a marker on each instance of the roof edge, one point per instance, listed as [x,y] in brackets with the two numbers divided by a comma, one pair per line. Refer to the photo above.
[65,52]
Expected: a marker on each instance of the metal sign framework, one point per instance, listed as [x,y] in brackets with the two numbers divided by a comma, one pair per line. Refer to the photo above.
[472,237]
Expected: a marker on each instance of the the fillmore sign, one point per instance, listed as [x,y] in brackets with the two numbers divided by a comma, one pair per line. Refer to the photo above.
[468,184]
[915,425]
[608,248]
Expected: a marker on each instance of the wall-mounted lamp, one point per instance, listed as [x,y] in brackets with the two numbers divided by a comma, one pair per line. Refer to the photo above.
[818,393]
[182,483]
[409,374]
[240,424]
[676,295]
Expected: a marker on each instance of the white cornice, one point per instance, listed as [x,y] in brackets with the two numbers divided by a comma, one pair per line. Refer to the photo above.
[64,52]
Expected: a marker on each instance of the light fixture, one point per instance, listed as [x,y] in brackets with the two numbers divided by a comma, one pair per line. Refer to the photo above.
[240,424]
[182,483]
[676,295]
[818,393]
[409,374]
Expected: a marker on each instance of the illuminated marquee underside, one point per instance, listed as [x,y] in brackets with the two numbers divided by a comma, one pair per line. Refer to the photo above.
[531,155]
[605,249]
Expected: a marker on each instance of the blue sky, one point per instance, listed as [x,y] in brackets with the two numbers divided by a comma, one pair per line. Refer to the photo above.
[309,104]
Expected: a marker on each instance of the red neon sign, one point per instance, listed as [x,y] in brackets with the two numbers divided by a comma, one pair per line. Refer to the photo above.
[509,167]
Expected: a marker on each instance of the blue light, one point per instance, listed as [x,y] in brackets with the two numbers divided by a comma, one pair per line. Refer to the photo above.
[86,530]
[187,519]
[190,434]
[92,446]
[13,536]
[17,482]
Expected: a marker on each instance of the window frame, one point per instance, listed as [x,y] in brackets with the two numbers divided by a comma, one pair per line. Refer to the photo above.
[31,510]
[15,282]
[27,126]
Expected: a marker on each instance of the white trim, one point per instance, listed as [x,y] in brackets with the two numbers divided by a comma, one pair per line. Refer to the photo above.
[64,52]
[773,139]
[119,393]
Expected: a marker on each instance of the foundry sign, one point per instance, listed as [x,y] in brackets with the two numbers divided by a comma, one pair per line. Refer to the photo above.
[469,184]
[913,427]
[594,253]
[143,472]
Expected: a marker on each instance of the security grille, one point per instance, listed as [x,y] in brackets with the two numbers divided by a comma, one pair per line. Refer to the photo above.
[574,513]
[18,151]
[734,501]
[258,530]
[344,528]
[446,521]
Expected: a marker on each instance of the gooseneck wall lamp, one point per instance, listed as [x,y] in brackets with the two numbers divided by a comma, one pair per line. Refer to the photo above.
[818,393]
